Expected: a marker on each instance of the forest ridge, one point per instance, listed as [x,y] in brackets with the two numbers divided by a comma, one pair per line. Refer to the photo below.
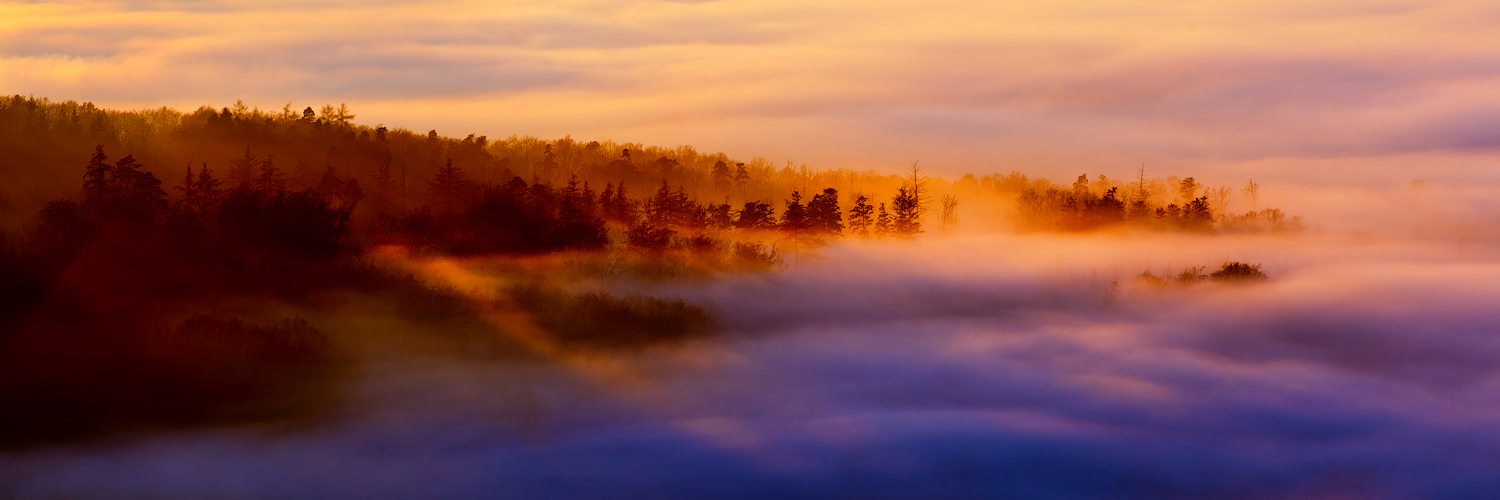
[376,171]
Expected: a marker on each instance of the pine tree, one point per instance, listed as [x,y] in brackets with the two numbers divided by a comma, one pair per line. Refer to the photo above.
[794,219]
[448,187]
[883,224]
[242,170]
[1187,190]
[189,190]
[210,192]
[96,179]
[548,164]
[823,213]
[860,218]
[741,177]
[721,176]
[269,181]
[756,215]
[905,218]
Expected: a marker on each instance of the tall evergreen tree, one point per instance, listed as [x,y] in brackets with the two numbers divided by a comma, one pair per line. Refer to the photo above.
[96,178]
[242,171]
[269,182]
[449,188]
[883,224]
[794,220]
[860,217]
[723,180]
[823,213]
[905,217]
[210,192]
[741,177]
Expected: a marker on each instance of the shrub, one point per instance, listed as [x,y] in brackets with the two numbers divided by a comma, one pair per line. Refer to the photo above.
[602,320]
[1238,272]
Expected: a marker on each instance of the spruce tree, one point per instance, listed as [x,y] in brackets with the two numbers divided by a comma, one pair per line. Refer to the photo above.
[905,217]
[860,218]
[449,187]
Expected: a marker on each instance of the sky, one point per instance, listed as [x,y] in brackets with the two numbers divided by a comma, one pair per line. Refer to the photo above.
[975,86]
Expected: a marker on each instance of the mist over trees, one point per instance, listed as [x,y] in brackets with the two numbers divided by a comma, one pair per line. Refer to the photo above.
[119,228]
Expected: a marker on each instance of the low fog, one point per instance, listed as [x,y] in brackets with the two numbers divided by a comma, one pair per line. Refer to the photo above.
[959,365]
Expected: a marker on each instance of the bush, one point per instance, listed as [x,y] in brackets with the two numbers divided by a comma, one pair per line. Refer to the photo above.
[602,320]
[1238,272]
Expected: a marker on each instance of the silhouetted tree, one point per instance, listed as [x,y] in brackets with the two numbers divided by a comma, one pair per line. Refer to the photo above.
[242,171]
[741,177]
[1197,216]
[96,179]
[547,166]
[823,215]
[722,178]
[269,182]
[905,218]
[647,236]
[794,220]
[449,188]
[622,167]
[949,214]
[756,215]
[1187,190]
[721,215]
[860,217]
[1252,194]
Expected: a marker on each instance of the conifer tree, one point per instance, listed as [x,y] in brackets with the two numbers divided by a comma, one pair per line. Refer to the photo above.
[741,177]
[721,176]
[96,178]
[449,187]
[242,170]
[905,217]
[823,213]
[756,215]
[210,192]
[883,224]
[548,164]
[860,219]
[794,220]
[269,181]
[189,190]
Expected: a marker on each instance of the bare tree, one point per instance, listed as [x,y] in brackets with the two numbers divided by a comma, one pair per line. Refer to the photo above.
[950,211]
[917,181]
[1219,198]
[1252,194]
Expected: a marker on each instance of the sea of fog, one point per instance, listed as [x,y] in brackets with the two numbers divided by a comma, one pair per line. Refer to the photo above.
[957,366]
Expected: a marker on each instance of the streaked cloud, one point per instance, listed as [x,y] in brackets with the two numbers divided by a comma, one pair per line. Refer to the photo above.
[970,84]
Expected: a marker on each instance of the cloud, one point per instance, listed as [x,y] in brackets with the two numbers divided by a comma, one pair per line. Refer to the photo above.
[969,82]
[969,367]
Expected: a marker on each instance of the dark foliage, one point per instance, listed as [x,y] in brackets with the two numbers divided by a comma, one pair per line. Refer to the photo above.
[599,320]
[1238,272]
[72,371]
